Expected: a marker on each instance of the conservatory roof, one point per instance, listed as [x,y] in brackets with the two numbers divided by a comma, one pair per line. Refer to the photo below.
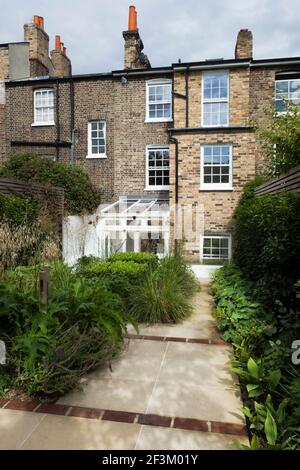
[142,208]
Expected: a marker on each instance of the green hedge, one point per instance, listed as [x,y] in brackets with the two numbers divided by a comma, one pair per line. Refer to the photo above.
[140,258]
[267,243]
[17,210]
[80,195]
[118,276]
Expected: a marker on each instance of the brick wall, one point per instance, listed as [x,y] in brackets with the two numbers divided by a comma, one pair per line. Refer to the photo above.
[122,106]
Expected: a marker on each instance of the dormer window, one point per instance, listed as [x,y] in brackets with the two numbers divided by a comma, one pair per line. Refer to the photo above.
[44,107]
[287,91]
[159,101]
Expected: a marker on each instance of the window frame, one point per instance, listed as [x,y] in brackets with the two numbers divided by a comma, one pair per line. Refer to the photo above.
[212,100]
[158,82]
[216,186]
[225,236]
[149,187]
[91,155]
[42,123]
[287,99]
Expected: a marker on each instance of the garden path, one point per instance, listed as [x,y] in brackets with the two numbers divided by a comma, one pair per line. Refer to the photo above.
[171,389]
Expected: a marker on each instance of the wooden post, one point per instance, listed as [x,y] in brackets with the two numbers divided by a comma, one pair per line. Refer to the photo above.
[44,285]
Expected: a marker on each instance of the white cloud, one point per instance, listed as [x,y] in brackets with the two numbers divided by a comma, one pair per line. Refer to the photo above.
[170,29]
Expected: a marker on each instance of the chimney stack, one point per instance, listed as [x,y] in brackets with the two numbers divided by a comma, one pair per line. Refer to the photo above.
[134,57]
[38,40]
[244,45]
[61,63]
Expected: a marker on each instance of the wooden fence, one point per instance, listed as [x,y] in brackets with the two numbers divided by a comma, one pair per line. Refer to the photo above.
[289,182]
[51,196]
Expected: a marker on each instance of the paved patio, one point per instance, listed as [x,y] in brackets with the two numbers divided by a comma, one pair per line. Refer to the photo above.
[180,388]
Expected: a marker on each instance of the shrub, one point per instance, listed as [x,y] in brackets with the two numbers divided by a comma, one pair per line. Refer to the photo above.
[24,244]
[176,267]
[267,244]
[118,276]
[165,294]
[262,344]
[49,347]
[239,317]
[158,299]
[80,195]
[142,258]
[16,210]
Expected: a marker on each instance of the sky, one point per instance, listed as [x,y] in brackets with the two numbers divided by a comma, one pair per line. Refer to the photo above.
[191,30]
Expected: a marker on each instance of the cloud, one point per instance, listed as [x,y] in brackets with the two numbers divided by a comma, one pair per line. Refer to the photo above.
[170,29]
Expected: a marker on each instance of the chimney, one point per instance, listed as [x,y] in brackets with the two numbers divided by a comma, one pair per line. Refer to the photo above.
[38,40]
[244,45]
[134,57]
[61,63]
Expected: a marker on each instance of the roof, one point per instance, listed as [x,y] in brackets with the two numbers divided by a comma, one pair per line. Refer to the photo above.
[206,64]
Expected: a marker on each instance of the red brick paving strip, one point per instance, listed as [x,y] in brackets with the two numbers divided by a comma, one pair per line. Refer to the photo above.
[228,428]
[89,413]
[155,420]
[21,405]
[216,341]
[53,408]
[119,416]
[125,417]
[191,424]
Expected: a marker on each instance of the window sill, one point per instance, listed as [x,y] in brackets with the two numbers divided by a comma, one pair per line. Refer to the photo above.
[42,124]
[216,188]
[96,157]
[157,188]
[148,120]
[215,126]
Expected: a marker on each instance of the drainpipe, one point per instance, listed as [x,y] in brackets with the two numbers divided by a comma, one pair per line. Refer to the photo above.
[175,141]
[57,120]
[72,123]
[187,96]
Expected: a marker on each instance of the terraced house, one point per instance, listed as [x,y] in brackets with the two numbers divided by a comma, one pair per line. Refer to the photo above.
[155,140]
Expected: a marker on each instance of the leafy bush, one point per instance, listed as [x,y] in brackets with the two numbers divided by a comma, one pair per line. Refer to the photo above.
[17,210]
[80,195]
[142,258]
[51,346]
[241,319]
[119,276]
[262,344]
[267,244]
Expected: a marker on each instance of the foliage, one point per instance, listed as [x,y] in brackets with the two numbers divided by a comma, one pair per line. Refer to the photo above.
[165,294]
[51,346]
[280,139]
[262,343]
[25,244]
[80,195]
[267,245]
[240,318]
[119,276]
[16,210]
[266,418]
[142,258]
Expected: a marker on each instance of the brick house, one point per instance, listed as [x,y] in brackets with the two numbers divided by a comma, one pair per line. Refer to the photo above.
[179,136]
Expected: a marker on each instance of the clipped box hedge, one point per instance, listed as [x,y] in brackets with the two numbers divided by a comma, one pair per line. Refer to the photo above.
[141,258]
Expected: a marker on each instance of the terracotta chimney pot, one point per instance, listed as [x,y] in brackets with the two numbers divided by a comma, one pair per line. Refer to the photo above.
[132,21]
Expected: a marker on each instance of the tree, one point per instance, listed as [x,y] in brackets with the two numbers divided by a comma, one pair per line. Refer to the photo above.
[279,136]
